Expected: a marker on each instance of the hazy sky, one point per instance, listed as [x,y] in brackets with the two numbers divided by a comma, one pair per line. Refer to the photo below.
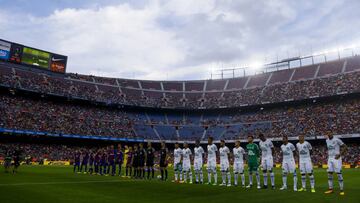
[183,39]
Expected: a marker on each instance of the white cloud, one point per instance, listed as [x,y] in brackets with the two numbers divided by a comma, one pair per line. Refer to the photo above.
[183,39]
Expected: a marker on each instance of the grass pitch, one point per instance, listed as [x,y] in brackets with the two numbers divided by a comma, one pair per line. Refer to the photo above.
[59,184]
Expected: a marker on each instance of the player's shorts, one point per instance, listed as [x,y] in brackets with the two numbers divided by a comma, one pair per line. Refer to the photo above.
[288,166]
[198,164]
[334,165]
[135,163]
[224,166]
[163,164]
[150,163]
[305,166]
[267,163]
[178,166]
[186,166]
[253,166]
[141,163]
[211,164]
[238,167]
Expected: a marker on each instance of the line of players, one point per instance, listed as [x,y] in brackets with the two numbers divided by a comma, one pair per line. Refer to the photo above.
[183,172]
[140,159]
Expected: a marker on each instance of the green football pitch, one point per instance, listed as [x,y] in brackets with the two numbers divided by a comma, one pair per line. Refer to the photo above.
[59,184]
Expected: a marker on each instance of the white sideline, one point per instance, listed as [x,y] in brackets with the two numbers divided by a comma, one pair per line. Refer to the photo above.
[68,182]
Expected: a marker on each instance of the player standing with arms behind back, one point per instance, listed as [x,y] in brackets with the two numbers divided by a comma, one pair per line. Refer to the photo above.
[187,163]
[211,160]
[224,164]
[305,163]
[288,163]
[177,163]
[336,149]
[253,161]
[267,160]
[164,155]
[238,153]
[198,162]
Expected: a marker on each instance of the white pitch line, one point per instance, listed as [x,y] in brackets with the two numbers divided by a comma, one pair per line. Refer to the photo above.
[69,182]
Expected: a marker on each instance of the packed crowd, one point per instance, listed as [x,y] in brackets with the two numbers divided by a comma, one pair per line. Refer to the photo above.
[39,152]
[102,90]
[340,117]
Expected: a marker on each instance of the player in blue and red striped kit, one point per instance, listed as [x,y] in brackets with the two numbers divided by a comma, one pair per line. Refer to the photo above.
[91,162]
[111,161]
[84,162]
[97,162]
[119,158]
[103,163]
[77,158]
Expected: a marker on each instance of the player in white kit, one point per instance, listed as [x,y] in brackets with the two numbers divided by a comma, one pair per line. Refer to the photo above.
[336,149]
[211,160]
[177,163]
[267,160]
[238,167]
[224,164]
[198,162]
[305,163]
[288,163]
[186,167]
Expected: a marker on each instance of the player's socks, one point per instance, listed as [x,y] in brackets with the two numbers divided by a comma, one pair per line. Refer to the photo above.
[185,177]
[272,179]
[303,181]
[215,178]
[257,179]
[201,177]
[295,181]
[152,173]
[166,174]
[176,176]
[190,176]
[330,181]
[223,176]
[250,179]
[235,178]
[148,173]
[209,177]
[229,178]
[181,177]
[162,174]
[265,178]
[284,179]
[312,181]
[341,181]
[143,173]
[196,176]
[243,179]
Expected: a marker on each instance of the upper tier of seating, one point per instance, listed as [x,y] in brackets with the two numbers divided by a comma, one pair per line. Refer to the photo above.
[324,79]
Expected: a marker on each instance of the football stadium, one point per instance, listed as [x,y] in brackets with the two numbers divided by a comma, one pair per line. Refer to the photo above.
[110,108]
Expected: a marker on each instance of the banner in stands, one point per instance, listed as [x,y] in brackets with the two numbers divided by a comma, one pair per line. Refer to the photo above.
[17,53]
[4,50]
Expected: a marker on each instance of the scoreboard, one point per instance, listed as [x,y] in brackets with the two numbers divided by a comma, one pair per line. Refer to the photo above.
[21,54]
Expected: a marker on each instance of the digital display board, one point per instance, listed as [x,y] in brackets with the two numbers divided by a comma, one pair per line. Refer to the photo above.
[17,53]
[58,63]
[4,50]
[35,57]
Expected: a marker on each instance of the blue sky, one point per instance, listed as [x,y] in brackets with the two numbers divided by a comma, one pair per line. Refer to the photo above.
[178,39]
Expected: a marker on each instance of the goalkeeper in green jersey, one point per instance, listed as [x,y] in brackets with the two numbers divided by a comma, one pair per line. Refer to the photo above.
[253,161]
